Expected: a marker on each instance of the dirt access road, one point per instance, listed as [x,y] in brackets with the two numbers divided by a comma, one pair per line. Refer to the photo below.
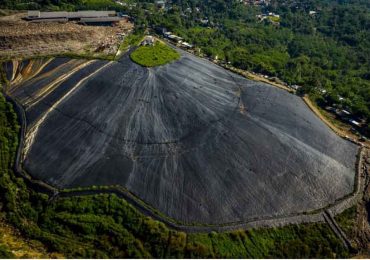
[20,38]
[360,231]
[343,131]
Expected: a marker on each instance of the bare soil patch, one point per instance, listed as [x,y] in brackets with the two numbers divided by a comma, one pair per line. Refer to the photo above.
[19,38]
[22,247]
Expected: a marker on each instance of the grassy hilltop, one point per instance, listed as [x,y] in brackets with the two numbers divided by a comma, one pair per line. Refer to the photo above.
[155,55]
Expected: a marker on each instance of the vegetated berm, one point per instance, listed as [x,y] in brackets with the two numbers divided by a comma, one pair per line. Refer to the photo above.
[196,142]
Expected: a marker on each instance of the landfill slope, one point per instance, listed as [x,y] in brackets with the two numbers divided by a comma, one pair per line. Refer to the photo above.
[196,142]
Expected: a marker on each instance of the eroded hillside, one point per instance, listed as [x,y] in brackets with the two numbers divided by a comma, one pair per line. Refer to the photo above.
[19,38]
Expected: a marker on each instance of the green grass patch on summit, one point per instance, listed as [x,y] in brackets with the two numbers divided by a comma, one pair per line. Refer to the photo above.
[155,55]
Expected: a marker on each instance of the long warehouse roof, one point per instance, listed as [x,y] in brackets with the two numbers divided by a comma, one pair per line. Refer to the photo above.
[68,15]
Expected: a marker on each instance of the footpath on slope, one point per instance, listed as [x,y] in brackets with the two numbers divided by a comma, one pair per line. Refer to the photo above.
[336,229]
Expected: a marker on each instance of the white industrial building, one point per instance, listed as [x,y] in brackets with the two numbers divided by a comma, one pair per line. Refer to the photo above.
[80,16]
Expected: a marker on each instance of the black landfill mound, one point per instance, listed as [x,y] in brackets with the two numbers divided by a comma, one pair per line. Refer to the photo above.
[191,139]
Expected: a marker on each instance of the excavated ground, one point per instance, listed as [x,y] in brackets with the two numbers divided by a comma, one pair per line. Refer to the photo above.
[19,38]
[191,139]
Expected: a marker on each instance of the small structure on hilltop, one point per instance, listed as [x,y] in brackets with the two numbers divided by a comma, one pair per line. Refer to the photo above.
[86,17]
[148,41]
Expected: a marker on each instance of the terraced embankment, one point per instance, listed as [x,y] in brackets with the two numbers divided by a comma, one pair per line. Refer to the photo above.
[196,142]
[19,38]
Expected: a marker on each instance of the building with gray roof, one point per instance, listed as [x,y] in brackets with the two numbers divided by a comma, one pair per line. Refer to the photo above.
[80,16]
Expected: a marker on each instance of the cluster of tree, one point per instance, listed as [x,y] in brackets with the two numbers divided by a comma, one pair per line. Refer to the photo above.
[105,226]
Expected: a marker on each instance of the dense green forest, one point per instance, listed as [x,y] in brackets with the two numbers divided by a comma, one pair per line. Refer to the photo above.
[100,226]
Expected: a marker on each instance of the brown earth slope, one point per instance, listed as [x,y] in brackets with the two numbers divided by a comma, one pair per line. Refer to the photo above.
[22,247]
[20,38]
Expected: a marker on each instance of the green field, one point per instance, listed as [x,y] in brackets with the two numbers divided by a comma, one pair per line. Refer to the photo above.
[156,55]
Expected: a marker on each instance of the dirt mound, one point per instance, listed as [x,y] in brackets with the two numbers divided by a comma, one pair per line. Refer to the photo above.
[22,38]
[14,42]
